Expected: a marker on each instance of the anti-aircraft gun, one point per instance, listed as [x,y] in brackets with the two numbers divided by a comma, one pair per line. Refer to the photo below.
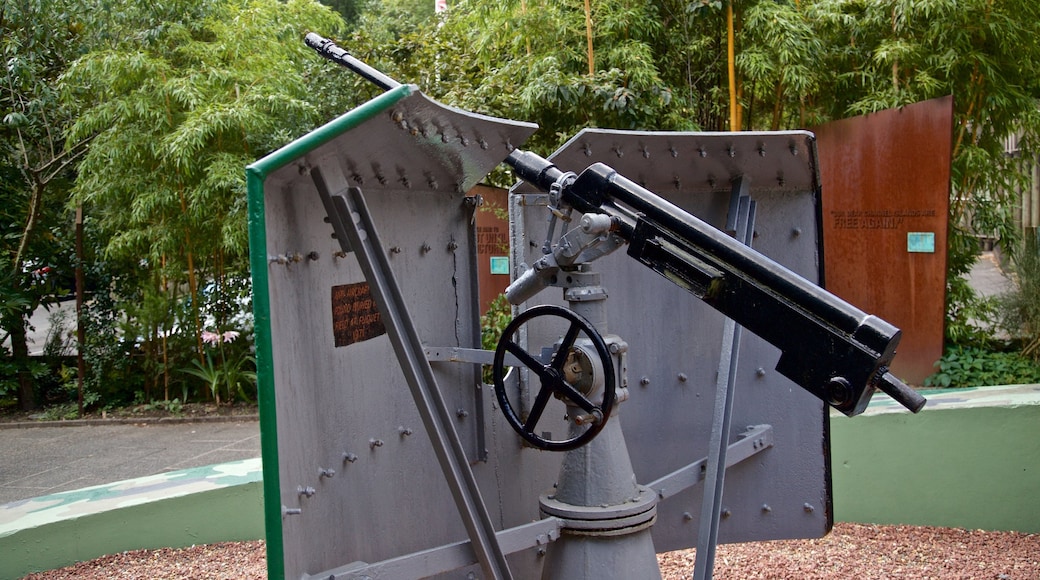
[827,347]
[830,348]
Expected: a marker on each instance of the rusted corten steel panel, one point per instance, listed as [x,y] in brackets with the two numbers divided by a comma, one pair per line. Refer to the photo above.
[492,243]
[886,185]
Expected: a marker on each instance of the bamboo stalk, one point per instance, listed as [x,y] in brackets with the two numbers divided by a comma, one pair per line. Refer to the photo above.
[734,117]
[588,36]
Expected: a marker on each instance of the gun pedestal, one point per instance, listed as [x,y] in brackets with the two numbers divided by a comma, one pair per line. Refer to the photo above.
[606,515]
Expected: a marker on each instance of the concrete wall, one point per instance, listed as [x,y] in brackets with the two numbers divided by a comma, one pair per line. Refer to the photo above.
[176,509]
[970,459]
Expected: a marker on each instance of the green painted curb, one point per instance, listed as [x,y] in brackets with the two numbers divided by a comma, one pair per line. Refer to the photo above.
[171,510]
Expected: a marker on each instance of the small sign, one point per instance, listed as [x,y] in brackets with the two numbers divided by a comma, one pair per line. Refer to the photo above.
[920,242]
[355,316]
[500,265]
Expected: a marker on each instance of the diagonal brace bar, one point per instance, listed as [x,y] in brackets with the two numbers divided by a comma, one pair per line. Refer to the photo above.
[741,222]
[755,440]
[447,558]
[351,213]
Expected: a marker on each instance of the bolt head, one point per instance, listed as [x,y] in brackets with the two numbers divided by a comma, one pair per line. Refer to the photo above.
[839,392]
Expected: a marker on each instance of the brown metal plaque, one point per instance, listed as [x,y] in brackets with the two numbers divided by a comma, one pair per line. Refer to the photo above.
[355,316]
[886,182]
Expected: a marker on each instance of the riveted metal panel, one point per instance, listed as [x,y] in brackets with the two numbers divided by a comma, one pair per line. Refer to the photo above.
[675,340]
[350,473]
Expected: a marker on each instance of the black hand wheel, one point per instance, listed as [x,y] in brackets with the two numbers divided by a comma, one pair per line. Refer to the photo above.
[553,379]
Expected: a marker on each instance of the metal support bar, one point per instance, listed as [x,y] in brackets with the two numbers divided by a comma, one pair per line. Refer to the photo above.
[467,355]
[445,558]
[470,205]
[753,441]
[741,220]
[738,196]
[352,213]
[517,244]
[339,226]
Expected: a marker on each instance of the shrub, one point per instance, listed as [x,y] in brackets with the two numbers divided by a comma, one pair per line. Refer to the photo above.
[492,323]
[965,366]
[1020,308]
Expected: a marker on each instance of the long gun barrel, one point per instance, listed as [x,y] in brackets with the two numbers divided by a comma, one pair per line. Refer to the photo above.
[830,348]
[329,50]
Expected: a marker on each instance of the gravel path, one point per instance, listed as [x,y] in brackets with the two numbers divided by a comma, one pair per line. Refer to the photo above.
[850,551]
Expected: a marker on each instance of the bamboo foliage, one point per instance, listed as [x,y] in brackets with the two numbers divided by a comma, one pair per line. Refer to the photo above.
[175,113]
[176,121]
[172,100]
[530,60]
[662,65]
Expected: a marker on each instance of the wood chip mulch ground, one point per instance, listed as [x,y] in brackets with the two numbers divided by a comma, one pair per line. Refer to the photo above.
[863,552]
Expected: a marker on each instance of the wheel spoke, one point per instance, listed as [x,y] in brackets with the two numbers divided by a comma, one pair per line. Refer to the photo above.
[526,358]
[575,396]
[565,346]
[537,409]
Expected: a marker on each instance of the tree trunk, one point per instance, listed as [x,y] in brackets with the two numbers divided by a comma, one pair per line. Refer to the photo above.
[731,51]
[778,106]
[20,354]
[81,330]
[19,340]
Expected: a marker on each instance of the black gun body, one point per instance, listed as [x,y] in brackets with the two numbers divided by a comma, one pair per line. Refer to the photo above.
[829,347]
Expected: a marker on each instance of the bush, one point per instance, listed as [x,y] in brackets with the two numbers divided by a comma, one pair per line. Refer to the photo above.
[974,356]
[492,323]
[1020,308]
[965,366]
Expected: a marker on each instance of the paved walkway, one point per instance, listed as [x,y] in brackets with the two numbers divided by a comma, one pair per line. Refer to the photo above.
[44,460]
[987,278]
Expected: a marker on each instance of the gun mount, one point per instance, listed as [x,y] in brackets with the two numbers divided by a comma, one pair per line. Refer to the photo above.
[830,348]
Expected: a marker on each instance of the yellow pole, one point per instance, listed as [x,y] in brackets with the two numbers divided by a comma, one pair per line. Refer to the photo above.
[734,117]
[523,13]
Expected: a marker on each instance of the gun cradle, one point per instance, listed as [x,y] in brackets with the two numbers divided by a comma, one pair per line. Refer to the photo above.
[830,348]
